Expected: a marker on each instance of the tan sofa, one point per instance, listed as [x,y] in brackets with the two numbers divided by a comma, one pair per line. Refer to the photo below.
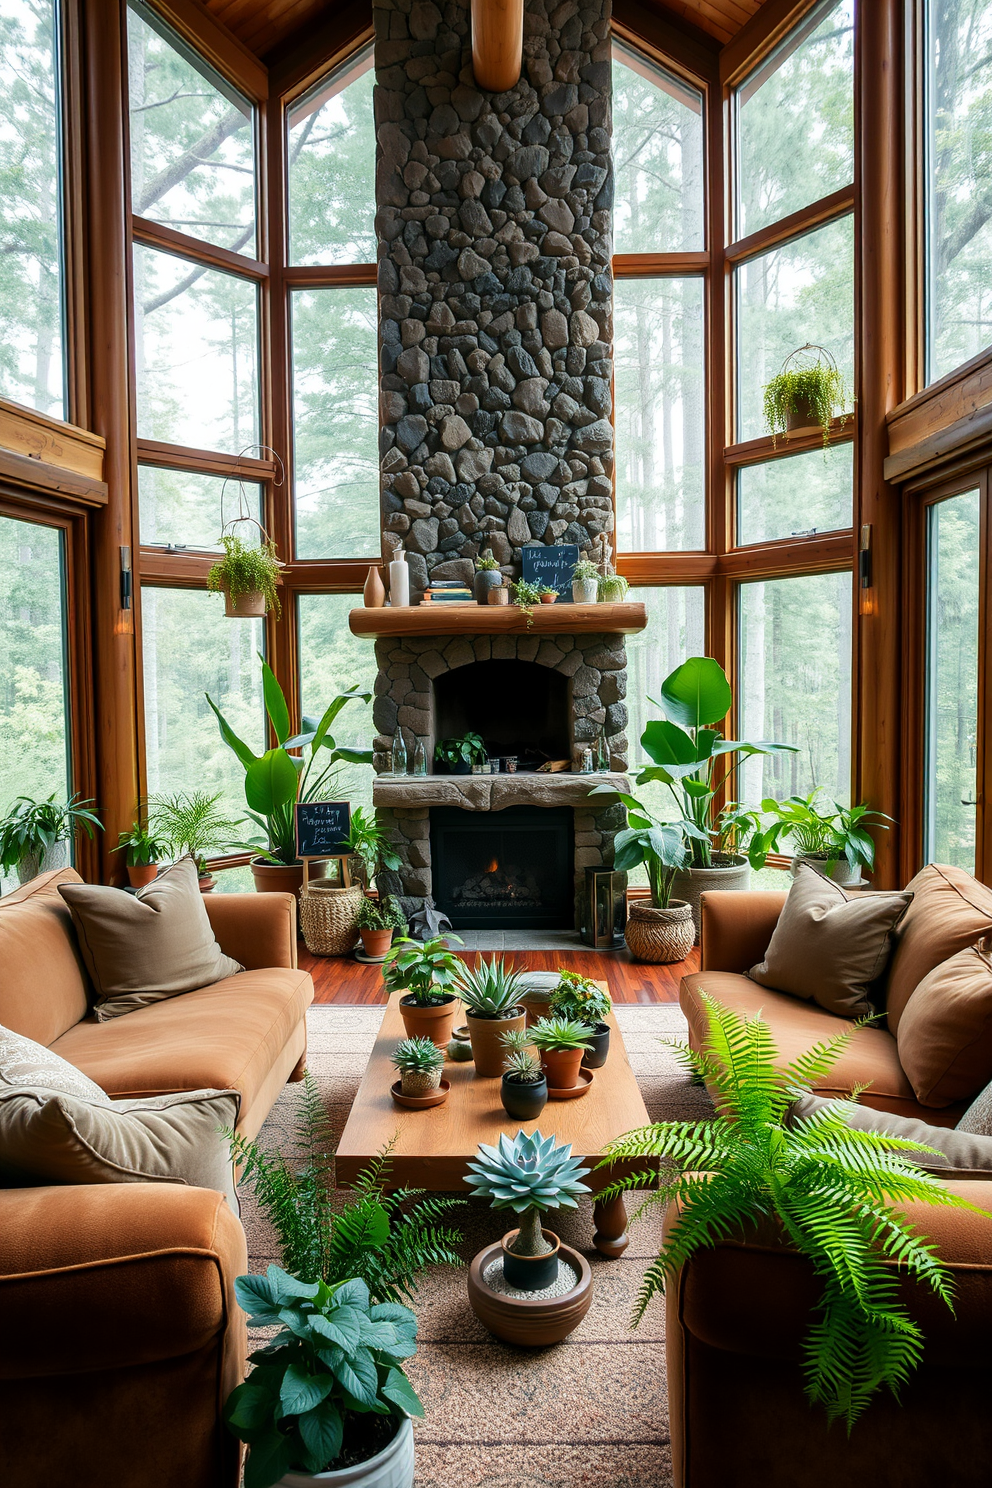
[120,1337]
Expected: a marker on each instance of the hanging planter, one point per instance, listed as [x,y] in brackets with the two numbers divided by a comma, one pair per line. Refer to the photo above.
[248,574]
[808,392]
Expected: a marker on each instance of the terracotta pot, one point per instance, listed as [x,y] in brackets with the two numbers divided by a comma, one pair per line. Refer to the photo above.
[524,1100]
[599,1048]
[727,871]
[139,874]
[246,607]
[282,878]
[434,1023]
[487,1051]
[531,1273]
[376,942]
[529,1322]
[549,599]
[561,1067]
[498,596]
[393,1467]
[207,883]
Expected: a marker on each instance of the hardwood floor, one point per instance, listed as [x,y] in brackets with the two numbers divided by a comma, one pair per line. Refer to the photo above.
[340,979]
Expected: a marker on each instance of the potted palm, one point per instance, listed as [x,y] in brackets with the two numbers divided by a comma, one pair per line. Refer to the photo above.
[35,836]
[580,1000]
[808,391]
[662,931]
[425,973]
[562,1044]
[248,577]
[420,1062]
[524,1086]
[275,780]
[514,1286]
[833,1192]
[192,823]
[491,993]
[143,853]
[585,582]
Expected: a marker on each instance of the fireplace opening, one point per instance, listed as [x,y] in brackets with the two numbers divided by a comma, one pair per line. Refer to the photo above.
[517,707]
[506,869]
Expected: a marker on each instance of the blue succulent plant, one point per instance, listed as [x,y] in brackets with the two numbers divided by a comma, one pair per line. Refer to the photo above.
[529,1175]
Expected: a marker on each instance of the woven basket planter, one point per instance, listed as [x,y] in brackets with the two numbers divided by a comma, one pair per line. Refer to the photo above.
[726,872]
[329,919]
[660,935]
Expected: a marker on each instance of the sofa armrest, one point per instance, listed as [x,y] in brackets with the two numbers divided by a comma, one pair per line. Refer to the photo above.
[259,930]
[106,1276]
[736,926]
[757,1297]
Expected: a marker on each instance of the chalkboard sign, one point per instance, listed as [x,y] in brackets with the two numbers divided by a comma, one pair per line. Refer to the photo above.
[551,565]
[322,828]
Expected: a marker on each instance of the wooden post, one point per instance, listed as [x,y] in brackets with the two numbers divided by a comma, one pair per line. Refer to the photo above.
[497,43]
[115,675]
[880,356]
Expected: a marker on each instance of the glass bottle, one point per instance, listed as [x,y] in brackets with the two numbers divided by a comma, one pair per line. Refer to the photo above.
[602,753]
[398,760]
[420,759]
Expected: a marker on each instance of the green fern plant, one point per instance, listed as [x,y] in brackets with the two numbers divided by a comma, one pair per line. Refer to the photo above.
[832,1189]
[384,1238]
[815,387]
[247,570]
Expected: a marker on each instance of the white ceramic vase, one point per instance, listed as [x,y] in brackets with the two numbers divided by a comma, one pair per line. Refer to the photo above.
[585,591]
[391,1468]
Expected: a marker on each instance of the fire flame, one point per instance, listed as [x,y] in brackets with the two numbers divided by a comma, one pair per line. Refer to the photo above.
[493,866]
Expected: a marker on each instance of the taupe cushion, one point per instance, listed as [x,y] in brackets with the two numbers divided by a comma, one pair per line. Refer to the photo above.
[945,1032]
[140,948]
[950,911]
[828,946]
[978,1117]
[57,1126]
[955,1148]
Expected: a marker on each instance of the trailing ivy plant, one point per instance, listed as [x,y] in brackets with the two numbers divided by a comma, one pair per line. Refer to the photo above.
[816,388]
[525,596]
[832,1190]
[245,569]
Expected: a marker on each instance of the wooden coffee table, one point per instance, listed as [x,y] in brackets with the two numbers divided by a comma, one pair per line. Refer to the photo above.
[434,1147]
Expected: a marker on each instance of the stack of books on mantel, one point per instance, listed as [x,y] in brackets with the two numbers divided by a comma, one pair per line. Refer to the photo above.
[448,591]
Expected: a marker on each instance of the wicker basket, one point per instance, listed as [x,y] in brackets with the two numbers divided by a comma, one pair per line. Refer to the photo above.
[660,935]
[329,919]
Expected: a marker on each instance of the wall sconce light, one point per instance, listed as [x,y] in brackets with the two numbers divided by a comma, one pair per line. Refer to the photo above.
[866,591]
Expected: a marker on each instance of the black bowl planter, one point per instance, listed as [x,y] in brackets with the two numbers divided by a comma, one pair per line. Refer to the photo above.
[595,1055]
[531,1273]
[524,1100]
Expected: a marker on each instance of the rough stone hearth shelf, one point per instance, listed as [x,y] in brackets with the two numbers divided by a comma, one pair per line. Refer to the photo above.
[451,620]
[493,792]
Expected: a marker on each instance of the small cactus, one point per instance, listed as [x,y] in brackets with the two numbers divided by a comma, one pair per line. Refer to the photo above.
[419,1062]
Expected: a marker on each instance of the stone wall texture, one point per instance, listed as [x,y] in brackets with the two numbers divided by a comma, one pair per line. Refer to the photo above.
[493,222]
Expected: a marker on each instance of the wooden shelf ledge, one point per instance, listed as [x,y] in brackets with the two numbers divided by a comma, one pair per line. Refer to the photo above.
[475,619]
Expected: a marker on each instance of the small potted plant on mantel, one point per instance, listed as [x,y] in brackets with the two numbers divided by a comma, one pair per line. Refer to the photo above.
[808,392]
[491,994]
[487,577]
[585,582]
[529,1288]
[248,577]
[548,594]
[562,1044]
[524,1086]
[459,756]
[143,852]
[580,1000]
[425,973]
[420,1062]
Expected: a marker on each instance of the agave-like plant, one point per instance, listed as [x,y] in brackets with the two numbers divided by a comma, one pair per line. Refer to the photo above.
[489,989]
[832,1188]
[528,1175]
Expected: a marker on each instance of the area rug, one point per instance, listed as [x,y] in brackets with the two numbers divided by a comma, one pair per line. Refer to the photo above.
[591,1410]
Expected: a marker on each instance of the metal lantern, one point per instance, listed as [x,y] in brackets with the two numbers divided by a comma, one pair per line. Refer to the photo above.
[604,909]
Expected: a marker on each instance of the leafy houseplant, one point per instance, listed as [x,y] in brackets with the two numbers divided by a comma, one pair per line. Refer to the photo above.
[524,1088]
[831,1190]
[143,852]
[548,594]
[487,576]
[191,822]
[420,1062]
[459,755]
[274,780]
[385,1237]
[612,586]
[663,931]
[528,1175]
[835,842]
[379,914]
[247,576]
[810,392]
[582,1001]
[491,994]
[34,835]
[585,582]
[375,922]
[328,1392]
[562,1043]
[525,596]
[426,973]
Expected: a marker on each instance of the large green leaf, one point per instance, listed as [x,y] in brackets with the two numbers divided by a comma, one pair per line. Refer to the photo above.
[697,693]
[245,755]
[270,782]
[248,1408]
[259,1296]
[352,756]
[669,745]
[275,702]
[302,1391]
[359,1376]
[399,1389]
[268,1460]
[322,1431]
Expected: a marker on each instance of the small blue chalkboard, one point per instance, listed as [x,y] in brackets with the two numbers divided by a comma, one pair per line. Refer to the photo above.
[322,828]
[550,564]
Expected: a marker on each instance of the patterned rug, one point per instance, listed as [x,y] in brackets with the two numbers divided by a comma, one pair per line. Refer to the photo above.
[591,1410]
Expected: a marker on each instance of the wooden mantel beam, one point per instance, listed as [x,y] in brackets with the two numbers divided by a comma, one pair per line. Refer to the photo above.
[497,43]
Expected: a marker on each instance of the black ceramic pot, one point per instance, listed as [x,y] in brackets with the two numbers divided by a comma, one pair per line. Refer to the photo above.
[524,1100]
[531,1273]
[595,1055]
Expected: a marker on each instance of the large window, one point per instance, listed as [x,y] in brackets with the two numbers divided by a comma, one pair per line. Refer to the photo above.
[959,196]
[658,158]
[332,169]
[32,342]
[332,660]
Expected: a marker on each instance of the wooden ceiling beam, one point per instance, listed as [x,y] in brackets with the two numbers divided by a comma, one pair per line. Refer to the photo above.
[497,43]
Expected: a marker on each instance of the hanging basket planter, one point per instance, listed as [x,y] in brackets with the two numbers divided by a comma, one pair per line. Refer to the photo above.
[248,574]
[807,393]
[250,606]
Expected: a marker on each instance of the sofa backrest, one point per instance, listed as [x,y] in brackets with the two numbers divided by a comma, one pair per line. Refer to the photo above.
[950,910]
[43,984]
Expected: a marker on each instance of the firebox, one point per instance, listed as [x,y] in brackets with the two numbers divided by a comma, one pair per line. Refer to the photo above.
[517,707]
[508,869]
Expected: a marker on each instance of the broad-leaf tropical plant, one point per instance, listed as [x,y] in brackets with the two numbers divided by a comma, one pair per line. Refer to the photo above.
[685,747]
[426,970]
[833,1190]
[275,780]
[659,845]
[30,828]
[336,1361]
[368,841]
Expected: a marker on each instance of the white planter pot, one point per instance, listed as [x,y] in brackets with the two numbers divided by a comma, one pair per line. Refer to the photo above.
[728,871]
[585,591]
[842,874]
[392,1468]
[56,856]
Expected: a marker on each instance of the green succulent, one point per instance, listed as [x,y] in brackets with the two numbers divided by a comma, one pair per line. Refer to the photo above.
[580,1000]
[418,1054]
[487,563]
[489,989]
[522,1067]
[515,1040]
[560,1033]
[426,970]
[529,1175]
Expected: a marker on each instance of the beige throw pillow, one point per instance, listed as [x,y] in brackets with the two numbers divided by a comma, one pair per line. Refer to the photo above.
[828,946]
[140,948]
[955,1148]
[57,1126]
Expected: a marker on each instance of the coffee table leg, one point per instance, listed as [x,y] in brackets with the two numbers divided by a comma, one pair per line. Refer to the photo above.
[610,1217]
